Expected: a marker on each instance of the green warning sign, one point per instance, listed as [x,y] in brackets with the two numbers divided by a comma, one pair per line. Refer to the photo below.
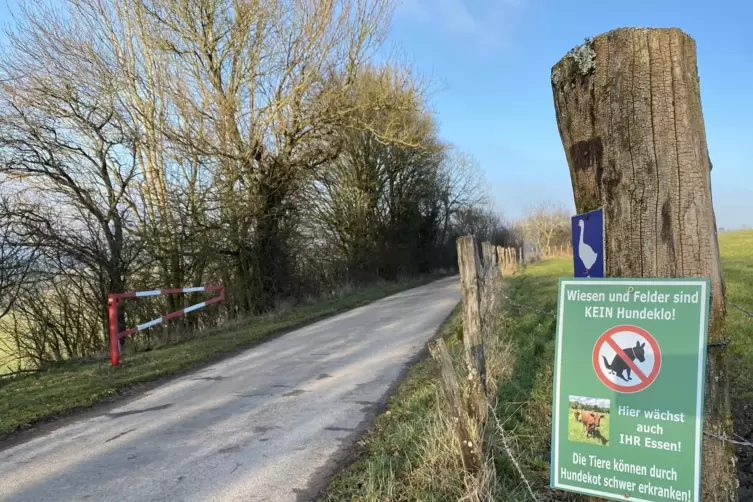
[630,363]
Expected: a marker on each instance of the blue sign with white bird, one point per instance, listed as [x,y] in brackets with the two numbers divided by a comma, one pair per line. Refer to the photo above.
[588,244]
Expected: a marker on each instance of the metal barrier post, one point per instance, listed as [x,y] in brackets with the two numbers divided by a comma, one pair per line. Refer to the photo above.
[112,311]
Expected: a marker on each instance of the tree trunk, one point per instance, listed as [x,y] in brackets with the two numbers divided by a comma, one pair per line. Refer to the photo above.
[629,115]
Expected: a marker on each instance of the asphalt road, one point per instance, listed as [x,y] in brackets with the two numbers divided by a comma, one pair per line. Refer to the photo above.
[267,425]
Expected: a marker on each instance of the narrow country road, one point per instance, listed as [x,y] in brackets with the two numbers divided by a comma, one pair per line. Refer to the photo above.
[267,425]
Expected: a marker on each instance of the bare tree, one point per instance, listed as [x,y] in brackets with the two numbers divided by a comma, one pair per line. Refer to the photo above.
[16,258]
[544,225]
[463,186]
[261,89]
[152,143]
[61,136]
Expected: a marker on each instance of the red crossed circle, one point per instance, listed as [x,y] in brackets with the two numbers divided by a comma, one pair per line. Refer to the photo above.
[646,380]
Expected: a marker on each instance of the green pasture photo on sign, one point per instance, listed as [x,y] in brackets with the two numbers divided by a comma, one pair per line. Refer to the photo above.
[630,363]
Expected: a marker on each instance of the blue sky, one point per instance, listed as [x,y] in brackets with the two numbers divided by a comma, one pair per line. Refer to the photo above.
[493,59]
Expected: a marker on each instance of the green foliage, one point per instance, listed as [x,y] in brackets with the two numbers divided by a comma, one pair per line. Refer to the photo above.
[588,407]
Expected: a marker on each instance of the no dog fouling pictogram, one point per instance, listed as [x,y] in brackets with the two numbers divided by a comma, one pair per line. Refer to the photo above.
[625,432]
[626,358]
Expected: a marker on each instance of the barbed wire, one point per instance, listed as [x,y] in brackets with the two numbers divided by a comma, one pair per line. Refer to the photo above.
[725,439]
[534,309]
[724,343]
[738,307]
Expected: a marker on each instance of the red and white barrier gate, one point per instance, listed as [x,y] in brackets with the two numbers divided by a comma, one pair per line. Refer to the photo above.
[114,299]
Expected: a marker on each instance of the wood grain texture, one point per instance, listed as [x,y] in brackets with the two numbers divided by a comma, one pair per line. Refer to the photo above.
[469,447]
[630,119]
[471,285]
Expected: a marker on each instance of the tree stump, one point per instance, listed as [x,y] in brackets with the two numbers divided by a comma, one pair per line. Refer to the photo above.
[629,115]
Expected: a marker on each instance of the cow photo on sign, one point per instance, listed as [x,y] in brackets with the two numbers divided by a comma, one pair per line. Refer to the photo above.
[588,421]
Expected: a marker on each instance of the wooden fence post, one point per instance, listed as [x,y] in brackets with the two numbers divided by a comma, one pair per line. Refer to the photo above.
[629,114]
[470,447]
[470,283]
[490,261]
[489,254]
[491,278]
[501,260]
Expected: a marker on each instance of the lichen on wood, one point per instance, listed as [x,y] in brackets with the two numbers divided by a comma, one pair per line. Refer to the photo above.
[583,58]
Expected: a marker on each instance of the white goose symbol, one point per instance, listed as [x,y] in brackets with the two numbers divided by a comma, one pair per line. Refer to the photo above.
[585,252]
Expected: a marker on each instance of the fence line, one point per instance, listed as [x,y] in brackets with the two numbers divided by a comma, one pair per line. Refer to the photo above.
[723,343]
[738,307]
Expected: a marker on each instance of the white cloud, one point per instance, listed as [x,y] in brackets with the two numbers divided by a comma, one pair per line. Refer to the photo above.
[413,9]
[458,18]
[591,401]
[480,21]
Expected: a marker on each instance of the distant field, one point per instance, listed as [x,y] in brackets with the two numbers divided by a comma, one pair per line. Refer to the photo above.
[737,260]
[6,356]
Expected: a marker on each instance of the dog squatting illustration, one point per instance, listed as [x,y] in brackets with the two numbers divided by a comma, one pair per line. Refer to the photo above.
[618,365]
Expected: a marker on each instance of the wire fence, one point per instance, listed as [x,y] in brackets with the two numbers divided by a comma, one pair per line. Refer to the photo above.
[738,307]
[740,441]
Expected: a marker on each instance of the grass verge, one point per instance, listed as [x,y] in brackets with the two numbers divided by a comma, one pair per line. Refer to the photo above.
[406,454]
[526,398]
[409,454]
[72,386]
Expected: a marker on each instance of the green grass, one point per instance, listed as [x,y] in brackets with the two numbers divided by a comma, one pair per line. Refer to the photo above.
[71,386]
[577,432]
[396,462]
[737,259]
[405,455]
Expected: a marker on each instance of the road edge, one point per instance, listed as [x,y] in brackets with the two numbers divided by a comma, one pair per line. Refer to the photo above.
[350,451]
[49,425]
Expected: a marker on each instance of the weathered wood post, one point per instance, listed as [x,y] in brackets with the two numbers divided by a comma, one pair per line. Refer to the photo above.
[470,285]
[629,115]
[491,275]
[489,254]
[470,447]
[501,260]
